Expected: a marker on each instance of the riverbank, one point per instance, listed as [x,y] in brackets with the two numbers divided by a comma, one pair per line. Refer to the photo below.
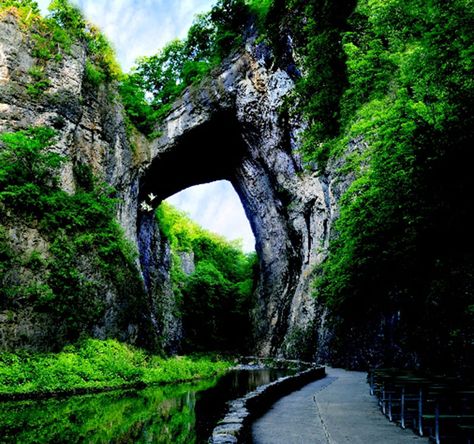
[94,366]
[171,413]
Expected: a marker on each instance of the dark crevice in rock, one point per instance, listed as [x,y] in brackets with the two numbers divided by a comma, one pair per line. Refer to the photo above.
[205,154]
[307,218]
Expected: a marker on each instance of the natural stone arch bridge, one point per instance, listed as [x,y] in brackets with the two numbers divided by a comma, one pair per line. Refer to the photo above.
[230,127]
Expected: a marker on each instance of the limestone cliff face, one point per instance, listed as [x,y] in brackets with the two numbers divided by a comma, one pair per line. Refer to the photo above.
[89,120]
[90,127]
[229,127]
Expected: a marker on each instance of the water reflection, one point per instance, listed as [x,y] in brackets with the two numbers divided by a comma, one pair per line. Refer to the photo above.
[184,413]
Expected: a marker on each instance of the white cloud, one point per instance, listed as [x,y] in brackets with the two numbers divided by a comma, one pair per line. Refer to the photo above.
[43,4]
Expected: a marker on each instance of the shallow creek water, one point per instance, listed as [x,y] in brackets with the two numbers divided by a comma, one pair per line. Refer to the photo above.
[181,413]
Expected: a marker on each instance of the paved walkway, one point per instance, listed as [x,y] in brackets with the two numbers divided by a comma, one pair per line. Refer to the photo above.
[335,410]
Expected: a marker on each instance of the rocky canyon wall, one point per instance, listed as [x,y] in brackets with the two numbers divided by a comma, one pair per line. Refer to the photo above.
[231,126]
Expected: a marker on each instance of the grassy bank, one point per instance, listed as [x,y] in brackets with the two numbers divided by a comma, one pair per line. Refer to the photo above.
[94,365]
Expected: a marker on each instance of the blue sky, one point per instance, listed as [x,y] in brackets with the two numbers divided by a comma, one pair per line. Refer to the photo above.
[140,27]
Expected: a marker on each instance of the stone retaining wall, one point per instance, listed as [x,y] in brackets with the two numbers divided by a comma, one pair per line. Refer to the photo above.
[235,427]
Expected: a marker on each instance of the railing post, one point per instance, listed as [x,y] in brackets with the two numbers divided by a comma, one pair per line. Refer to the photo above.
[420,412]
[402,408]
[437,423]
[383,399]
[390,407]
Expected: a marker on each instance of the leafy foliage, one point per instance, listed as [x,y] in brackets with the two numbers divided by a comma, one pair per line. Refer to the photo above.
[95,364]
[24,159]
[217,296]
[159,414]
[31,5]
[394,75]
[76,225]
[102,64]
[400,253]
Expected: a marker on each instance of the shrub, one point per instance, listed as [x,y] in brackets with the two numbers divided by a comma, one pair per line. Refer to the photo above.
[95,364]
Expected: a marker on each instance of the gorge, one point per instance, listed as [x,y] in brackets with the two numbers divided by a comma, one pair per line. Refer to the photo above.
[227,128]
[241,122]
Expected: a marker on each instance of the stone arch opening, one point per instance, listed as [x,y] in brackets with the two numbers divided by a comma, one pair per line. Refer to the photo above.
[217,149]
[211,151]
[215,290]
[231,129]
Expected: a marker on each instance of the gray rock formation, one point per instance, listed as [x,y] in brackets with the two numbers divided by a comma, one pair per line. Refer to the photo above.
[91,129]
[228,127]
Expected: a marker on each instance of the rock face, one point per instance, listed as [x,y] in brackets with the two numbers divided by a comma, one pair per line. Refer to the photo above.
[229,127]
[90,129]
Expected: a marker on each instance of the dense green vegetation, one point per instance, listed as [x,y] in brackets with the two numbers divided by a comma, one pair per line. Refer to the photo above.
[157,81]
[390,79]
[79,230]
[84,254]
[216,298]
[396,76]
[93,365]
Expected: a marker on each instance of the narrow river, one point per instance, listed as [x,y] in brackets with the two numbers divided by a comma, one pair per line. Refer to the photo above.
[182,413]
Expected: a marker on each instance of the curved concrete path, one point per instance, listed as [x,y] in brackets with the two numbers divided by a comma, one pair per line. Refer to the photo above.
[335,410]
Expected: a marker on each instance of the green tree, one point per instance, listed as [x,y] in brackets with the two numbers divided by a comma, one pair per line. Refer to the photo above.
[30,5]
[68,17]
[401,239]
[23,158]
[216,299]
